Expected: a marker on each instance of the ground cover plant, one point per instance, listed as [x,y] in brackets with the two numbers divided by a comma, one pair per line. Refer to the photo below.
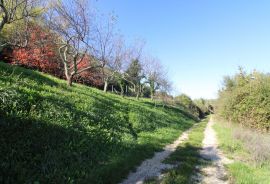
[52,133]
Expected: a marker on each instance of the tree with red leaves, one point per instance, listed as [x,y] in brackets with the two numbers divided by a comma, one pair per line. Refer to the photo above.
[92,76]
[40,53]
[71,21]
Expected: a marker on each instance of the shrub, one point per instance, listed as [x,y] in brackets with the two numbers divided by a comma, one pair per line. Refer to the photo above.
[190,105]
[245,98]
[42,54]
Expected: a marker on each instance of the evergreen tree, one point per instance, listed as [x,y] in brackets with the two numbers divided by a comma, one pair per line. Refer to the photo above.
[134,72]
[134,75]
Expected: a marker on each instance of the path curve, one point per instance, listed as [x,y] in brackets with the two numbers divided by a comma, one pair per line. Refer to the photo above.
[215,173]
[154,166]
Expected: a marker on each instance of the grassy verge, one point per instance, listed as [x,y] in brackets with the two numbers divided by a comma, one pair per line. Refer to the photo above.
[247,168]
[187,155]
[51,133]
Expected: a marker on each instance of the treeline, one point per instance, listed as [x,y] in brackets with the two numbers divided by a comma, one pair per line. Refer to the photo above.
[245,99]
[198,107]
[70,40]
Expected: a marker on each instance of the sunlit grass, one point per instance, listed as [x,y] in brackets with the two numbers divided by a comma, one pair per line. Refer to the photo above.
[245,169]
[186,156]
[50,132]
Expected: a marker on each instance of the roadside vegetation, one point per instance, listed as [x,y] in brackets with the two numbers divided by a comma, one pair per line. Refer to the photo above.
[58,126]
[245,99]
[186,156]
[243,109]
[50,132]
[198,107]
[249,150]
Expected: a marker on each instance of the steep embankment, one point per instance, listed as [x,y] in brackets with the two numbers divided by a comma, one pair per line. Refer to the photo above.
[51,133]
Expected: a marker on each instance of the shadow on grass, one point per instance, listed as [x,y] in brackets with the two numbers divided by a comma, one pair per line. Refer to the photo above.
[67,135]
[177,109]
[34,75]
[37,151]
[187,157]
[108,108]
[49,153]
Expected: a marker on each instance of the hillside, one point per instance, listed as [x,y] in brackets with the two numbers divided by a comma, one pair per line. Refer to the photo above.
[52,133]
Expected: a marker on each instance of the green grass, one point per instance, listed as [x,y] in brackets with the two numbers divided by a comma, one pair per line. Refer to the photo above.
[243,170]
[51,133]
[187,155]
[232,147]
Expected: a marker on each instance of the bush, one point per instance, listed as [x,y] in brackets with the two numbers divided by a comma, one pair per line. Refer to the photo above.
[190,105]
[245,98]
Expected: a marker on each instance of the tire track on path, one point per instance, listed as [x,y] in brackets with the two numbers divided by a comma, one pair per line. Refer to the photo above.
[215,172]
[153,167]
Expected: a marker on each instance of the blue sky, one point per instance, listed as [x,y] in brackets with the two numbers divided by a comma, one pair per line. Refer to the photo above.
[198,41]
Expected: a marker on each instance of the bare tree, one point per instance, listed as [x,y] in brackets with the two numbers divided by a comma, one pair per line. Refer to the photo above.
[132,71]
[113,54]
[71,21]
[163,93]
[109,50]
[116,64]
[155,74]
[18,13]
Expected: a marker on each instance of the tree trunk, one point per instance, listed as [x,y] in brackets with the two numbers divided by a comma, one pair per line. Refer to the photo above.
[122,90]
[152,94]
[4,17]
[152,89]
[137,96]
[2,23]
[126,90]
[138,93]
[68,75]
[69,80]
[105,86]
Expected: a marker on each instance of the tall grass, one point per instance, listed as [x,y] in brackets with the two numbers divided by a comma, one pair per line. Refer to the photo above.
[256,143]
[249,150]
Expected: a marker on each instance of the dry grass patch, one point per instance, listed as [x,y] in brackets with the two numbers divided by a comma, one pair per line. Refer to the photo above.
[257,144]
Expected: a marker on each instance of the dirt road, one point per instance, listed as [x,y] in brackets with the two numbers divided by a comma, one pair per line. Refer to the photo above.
[154,166]
[214,172]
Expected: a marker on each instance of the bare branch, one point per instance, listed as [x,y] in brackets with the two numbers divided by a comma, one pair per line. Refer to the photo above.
[71,22]
[13,11]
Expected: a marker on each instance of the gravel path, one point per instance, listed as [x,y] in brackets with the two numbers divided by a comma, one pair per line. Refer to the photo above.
[154,166]
[215,173]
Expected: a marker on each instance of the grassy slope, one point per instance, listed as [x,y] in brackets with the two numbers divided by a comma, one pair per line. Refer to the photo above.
[242,170]
[188,155]
[55,134]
